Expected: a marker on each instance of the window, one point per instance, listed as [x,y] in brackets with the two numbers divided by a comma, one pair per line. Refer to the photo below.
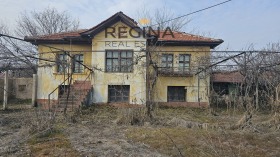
[166,60]
[77,67]
[61,63]
[119,61]
[184,62]
[118,93]
[176,93]
[21,88]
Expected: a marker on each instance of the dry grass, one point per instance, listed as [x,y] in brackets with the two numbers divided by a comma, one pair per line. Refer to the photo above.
[26,131]
[198,142]
[107,131]
[51,143]
[172,132]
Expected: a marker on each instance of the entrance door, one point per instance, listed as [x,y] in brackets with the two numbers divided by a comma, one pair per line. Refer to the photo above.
[62,89]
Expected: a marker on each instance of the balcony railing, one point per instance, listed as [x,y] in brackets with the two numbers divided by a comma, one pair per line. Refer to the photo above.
[175,71]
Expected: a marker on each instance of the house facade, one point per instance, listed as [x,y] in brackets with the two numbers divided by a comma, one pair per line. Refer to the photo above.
[117,62]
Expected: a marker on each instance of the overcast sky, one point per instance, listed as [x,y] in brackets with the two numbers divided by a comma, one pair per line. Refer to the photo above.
[239,22]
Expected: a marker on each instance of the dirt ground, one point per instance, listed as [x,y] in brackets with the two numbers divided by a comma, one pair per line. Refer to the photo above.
[109,131]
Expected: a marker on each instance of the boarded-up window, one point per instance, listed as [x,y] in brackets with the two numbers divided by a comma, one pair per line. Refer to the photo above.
[176,93]
[118,93]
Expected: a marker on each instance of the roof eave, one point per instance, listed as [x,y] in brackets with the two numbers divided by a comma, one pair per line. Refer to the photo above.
[211,44]
[58,41]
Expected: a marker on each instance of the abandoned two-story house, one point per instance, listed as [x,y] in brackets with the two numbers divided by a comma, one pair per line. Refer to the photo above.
[117,62]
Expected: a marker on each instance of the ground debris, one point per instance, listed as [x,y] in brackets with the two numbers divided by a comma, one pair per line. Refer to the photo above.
[106,140]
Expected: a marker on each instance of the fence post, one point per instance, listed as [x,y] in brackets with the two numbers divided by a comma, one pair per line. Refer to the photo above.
[6,86]
[34,90]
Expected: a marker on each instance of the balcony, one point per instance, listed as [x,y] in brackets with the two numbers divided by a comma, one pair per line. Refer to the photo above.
[175,71]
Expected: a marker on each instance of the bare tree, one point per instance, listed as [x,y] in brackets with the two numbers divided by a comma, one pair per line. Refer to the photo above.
[14,53]
[162,18]
[48,21]
[260,70]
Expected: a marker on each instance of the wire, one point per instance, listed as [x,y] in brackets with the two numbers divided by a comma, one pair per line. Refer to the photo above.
[12,37]
[165,51]
[193,12]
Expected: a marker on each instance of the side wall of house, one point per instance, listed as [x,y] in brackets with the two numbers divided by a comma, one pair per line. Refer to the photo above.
[48,78]
[102,79]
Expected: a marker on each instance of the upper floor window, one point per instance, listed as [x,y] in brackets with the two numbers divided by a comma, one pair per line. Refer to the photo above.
[77,66]
[184,62]
[119,61]
[166,60]
[61,63]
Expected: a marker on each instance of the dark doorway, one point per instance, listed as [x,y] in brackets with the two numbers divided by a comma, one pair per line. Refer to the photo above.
[62,89]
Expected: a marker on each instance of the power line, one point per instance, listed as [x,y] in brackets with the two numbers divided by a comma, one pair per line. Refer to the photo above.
[168,51]
[51,47]
[4,35]
[192,12]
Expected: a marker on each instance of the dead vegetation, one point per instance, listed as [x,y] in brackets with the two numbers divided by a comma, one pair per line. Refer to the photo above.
[27,131]
[109,131]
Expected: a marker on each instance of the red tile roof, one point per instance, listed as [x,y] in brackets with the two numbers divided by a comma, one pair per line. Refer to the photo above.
[178,36]
[58,36]
[228,77]
[182,36]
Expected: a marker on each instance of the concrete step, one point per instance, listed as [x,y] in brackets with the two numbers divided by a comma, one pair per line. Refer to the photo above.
[64,98]
[74,91]
[81,82]
[77,94]
[72,99]
[73,95]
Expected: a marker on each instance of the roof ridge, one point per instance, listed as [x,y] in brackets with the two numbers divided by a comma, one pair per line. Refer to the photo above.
[120,13]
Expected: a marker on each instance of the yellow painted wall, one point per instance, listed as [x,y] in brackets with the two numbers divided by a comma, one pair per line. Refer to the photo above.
[190,82]
[102,79]
[48,78]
